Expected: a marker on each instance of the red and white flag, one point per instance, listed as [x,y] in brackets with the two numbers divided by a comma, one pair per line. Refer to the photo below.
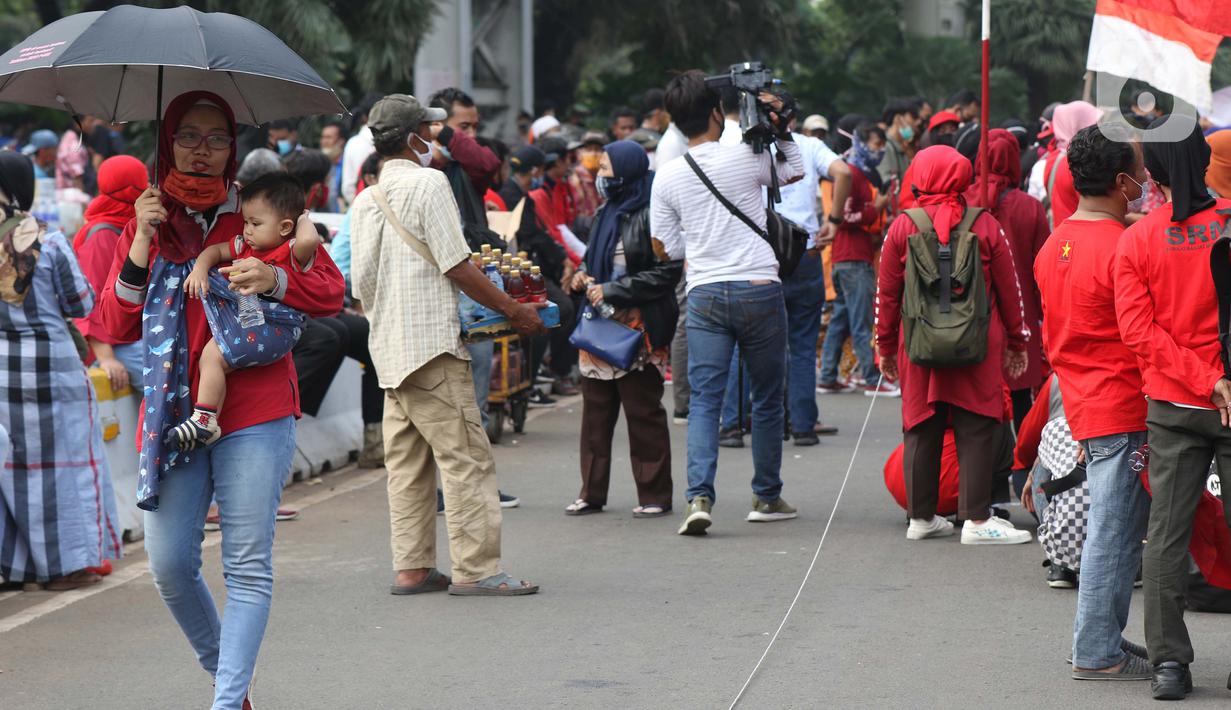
[1168,43]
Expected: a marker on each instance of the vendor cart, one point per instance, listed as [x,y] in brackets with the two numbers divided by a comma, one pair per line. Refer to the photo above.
[509,396]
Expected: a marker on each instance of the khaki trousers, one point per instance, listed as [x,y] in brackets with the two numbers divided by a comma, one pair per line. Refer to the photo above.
[431,421]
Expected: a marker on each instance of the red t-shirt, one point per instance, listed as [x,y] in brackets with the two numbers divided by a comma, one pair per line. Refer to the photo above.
[853,242]
[1166,303]
[280,255]
[1098,373]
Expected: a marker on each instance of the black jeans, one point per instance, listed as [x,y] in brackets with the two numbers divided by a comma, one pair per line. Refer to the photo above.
[322,347]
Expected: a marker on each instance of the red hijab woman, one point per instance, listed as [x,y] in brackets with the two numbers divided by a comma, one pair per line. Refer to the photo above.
[121,180]
[1025,227]
[967,398]
[197,205]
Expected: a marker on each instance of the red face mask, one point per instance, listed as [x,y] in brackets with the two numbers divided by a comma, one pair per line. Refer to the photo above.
[197,192]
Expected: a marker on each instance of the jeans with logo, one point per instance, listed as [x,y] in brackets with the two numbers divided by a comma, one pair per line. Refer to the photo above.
[245,471]
[1111,554]
[720,315]
[854,282]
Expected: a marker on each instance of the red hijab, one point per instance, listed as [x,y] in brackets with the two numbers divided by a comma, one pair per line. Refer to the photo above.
[1004,165]
[121,180]
[941,175]
[180,237]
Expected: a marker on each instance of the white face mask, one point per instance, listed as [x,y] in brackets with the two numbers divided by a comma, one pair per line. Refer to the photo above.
[425,158]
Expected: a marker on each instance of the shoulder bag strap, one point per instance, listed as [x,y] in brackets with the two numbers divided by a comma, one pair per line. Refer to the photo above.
[98,228]
[725,202]
[411,240]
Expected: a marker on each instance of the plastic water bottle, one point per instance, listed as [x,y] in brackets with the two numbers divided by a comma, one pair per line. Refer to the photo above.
[250,315]
[605,309]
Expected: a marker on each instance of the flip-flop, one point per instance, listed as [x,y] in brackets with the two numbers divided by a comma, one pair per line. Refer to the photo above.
[580,507]
[651,511]
[490,587]
[433,582]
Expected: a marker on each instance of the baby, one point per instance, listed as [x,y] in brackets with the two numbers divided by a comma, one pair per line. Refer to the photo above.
[278,232]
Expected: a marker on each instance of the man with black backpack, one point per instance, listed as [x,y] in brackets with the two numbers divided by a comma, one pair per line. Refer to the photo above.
[948,297]
[734,290]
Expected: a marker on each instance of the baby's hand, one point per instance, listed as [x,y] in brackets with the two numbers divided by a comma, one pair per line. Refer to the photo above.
[197,284]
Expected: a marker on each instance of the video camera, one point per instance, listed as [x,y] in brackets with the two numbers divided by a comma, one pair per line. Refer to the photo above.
[751,78]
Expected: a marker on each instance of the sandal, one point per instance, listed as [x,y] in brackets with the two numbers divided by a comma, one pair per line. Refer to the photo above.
[580,507]
[433,582]
[490,587]
[76,580]
[651,511]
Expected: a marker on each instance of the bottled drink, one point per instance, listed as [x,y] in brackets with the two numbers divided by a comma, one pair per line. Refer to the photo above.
[250,315]
[485,249]
[493,275]
[477,259]
[524,256]
[497,256]
[505,272]
[605,309]
[517,287]
[536,288]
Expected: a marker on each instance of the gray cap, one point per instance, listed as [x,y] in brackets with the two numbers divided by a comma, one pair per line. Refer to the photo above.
[401,112]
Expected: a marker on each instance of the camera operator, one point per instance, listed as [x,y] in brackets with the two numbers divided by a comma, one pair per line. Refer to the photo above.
[734,292]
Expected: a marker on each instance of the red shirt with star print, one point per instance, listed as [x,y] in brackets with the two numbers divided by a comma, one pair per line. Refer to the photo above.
[1099,376]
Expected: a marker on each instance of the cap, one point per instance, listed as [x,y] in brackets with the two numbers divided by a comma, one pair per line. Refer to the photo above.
[645,138]
[816,122]
[942,117]
[526,158]
[543,125]
[553,147]
[401,111]
[594,138]
[40,139]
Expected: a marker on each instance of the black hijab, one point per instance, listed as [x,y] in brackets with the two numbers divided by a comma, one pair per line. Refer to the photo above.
[16,181]
[1181,165]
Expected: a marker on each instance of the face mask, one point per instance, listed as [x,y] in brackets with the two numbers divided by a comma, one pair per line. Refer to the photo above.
[425,158]
[1137,204]
[906,133]
[333,152]
[590,162]
[536,183]
[609,187]
[285,146]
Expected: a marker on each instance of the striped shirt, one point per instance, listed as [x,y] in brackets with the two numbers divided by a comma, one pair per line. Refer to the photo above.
[411,305]
[693,225]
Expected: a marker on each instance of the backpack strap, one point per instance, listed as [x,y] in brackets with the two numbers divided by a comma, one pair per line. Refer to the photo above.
[968,220]
[922,221]
[1051,188]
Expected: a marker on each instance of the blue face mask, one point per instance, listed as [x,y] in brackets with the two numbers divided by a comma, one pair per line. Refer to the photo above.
[866,157]
[608,187]
[906,133]
[285,146]
[536,183]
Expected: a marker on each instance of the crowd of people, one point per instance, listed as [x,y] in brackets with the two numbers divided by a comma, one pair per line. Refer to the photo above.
[1053,329]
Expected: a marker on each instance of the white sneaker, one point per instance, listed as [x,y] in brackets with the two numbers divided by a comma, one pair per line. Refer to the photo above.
[993,531]
[884,388]
[920,529]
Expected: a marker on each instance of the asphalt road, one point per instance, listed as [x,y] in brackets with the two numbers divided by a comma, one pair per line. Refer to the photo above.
[631,615]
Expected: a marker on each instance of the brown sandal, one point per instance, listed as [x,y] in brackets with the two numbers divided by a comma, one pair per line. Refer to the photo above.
[76,580]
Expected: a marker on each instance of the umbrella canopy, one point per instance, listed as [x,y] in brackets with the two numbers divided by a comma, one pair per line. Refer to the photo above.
[107,64]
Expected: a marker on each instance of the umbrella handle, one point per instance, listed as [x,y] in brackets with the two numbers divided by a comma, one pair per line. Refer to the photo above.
[157,127]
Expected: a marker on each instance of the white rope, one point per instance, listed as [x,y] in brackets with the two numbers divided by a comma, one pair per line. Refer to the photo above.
[815,556]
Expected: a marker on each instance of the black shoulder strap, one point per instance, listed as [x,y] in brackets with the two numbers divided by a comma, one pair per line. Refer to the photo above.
[725,202]
[1220,270]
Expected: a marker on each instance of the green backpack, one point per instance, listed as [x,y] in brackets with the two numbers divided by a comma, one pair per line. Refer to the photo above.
[945,308]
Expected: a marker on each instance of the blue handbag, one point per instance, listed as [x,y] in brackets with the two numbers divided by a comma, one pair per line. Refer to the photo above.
[604,338]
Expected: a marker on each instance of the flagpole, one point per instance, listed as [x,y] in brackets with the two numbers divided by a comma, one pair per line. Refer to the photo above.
[985,105]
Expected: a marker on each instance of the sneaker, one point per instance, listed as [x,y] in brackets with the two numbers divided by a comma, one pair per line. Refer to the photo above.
[763,512]
[833,388]
[1133,668]
[1061,578]
[213,522]
[538,399]
[506,501]
[680,418]
[805,438]
[921,529]
[1172,681]
[731,438]
[697,516]
[285,514]
[882,389]
[825,429]
[993,531]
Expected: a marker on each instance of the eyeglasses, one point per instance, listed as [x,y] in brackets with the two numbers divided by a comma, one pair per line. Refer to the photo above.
[192,139]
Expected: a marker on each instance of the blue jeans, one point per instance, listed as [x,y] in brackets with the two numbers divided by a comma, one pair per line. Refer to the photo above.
[854,282]
[245,471]
[719,316]
[131,356]
[804,294]
[1111,555]
[481,371]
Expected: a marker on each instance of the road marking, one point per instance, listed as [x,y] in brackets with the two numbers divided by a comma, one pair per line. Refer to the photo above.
[140,569]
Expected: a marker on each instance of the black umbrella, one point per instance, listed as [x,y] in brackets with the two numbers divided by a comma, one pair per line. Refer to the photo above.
[116,65]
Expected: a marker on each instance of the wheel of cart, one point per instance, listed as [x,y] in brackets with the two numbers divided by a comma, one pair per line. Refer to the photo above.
[510,386]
